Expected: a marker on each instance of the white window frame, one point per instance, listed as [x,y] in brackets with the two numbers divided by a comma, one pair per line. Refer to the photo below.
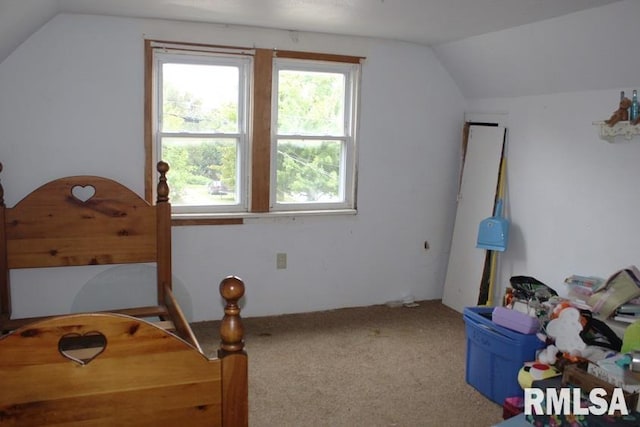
[244,63]
[351,73]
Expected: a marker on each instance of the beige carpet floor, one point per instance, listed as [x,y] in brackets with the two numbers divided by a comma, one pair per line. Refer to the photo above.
[365,366]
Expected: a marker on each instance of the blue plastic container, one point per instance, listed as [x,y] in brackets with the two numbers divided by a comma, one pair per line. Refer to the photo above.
[495,355]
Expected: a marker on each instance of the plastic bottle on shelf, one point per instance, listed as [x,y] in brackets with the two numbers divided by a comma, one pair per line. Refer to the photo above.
[634,111]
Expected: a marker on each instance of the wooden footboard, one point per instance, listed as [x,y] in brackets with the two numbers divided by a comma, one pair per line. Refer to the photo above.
[111,369]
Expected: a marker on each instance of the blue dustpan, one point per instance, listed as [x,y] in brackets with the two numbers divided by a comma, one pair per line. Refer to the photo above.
[493,232]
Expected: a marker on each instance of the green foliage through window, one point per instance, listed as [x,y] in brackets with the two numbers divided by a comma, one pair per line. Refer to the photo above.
[300,156]
[308,171]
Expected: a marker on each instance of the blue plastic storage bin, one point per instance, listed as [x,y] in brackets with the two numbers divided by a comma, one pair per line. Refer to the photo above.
[495,355]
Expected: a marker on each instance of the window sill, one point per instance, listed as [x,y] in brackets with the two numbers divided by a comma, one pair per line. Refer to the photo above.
[227,218]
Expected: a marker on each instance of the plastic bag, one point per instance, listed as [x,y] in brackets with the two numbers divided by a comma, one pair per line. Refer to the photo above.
[529,288]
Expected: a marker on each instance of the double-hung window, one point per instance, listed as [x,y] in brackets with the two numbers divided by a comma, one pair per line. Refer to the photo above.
[248,131]
[313,144]
[201,128]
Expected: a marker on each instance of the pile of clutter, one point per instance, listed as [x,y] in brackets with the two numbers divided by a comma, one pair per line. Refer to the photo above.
[596,327]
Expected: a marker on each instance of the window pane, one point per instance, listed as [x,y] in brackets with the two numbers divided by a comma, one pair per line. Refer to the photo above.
[311,103]
[200,98]
[203,170]
[309,171]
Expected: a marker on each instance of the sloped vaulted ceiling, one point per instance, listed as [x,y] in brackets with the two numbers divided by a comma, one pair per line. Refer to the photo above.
[595,49]
[479,41]
[20,19]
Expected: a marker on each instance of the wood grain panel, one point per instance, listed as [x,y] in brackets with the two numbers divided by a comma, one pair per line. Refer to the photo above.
[50,227]
[261,146]
[235,388]
[315,56]
[141,369]
[134,409]
[148,121]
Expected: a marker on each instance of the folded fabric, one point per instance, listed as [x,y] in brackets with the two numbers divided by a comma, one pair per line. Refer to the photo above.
[620,288]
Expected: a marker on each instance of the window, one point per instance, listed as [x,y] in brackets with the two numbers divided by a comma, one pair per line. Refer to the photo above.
[250,130]
[201,122]
[313,144]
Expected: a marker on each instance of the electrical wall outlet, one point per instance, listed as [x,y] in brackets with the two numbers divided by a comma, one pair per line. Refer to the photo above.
[281,261]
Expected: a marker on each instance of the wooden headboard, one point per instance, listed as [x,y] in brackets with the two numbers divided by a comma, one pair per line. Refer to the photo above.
[86,220]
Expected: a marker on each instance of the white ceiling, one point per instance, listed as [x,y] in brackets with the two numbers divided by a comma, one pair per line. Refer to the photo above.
[422,21]
[476,40]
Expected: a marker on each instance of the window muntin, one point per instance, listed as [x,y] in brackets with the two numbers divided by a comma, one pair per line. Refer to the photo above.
[201,102]
[313,146]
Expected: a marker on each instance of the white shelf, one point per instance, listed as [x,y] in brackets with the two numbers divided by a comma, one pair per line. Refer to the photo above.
[622,129]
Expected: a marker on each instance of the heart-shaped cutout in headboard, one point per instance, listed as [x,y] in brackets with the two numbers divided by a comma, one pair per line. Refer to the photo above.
[83,192]
[82,349]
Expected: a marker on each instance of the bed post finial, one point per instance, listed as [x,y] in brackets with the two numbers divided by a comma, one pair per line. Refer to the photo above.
[163,187]
[231,328]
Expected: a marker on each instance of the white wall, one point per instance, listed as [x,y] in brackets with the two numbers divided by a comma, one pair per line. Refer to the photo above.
[572,197]
[72,103]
